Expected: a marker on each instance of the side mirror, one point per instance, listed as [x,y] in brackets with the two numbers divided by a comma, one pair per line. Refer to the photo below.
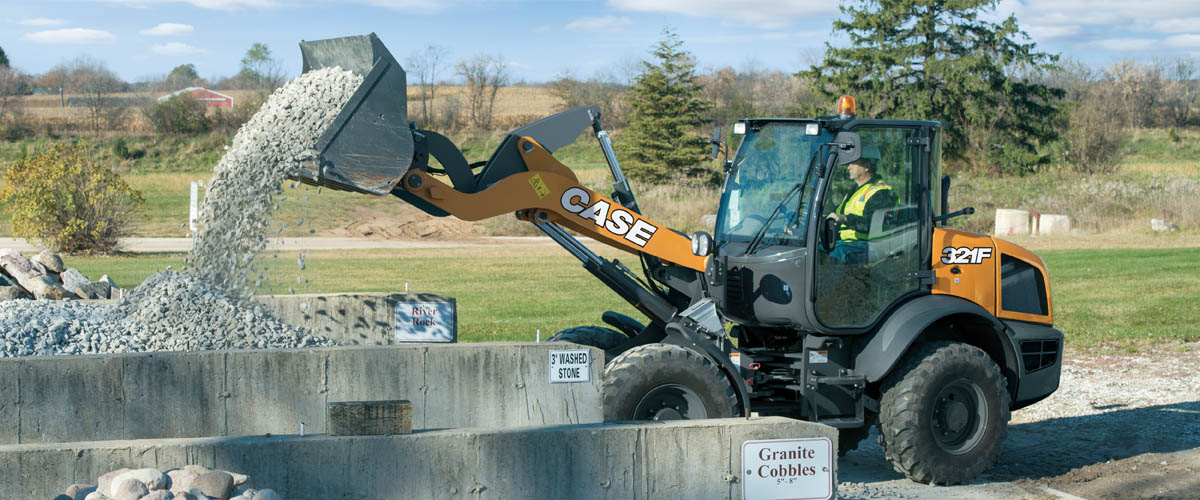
[849,147]
[716,142]
[702,244]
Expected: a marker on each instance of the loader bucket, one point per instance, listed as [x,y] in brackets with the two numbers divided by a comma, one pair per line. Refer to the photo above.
[369,146]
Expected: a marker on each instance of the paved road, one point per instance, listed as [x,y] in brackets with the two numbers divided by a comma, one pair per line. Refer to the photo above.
[185,244]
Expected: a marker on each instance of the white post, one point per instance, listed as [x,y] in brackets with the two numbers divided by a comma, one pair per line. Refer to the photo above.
[193,208]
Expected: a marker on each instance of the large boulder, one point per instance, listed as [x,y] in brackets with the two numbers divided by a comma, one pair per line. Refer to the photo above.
[72,280]
[32,277]
[50,260]
[214,484]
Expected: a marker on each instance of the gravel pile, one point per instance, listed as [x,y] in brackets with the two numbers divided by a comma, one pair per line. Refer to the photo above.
[191,482]
[209,306]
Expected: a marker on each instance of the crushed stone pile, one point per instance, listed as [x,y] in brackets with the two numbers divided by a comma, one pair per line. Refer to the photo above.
[191,482]
[209,305]
[239,199]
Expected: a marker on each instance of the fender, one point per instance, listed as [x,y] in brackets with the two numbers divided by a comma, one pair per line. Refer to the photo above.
[891,341]
[695,328]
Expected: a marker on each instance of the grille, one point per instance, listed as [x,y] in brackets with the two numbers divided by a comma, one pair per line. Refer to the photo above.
[735,293]
[1038,354]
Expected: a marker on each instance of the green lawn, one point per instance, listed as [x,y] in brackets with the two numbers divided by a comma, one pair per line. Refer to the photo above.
[1125,297]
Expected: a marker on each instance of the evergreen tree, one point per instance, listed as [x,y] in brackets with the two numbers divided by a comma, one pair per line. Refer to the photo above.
[3,58]
[937,60]
[666,108]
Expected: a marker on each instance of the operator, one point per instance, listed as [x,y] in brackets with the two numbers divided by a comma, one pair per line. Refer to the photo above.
[854,213]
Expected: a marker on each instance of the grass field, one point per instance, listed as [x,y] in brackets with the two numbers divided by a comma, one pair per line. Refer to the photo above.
[1102,297]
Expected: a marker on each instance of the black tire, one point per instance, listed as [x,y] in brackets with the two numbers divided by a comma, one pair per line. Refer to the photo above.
[665,382]
[592,336]
[944,414]
[849,439]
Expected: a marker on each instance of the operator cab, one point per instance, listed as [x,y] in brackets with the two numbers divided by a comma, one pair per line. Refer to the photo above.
[780,258]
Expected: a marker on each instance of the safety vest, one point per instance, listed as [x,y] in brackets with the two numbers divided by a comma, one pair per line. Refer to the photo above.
[855,204]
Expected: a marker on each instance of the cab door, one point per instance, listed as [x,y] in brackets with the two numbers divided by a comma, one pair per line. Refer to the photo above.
[874,256]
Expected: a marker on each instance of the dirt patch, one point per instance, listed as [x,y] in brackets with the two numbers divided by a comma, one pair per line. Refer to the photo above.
[1119,427]
[408,224]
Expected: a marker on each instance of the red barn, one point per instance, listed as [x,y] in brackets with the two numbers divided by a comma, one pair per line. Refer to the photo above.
[205,96]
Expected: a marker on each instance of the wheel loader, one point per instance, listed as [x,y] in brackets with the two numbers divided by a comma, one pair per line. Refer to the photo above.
[932,333]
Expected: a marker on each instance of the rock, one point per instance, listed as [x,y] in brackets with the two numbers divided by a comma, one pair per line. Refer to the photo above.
[80,491]
[214,484]
[50,260]
[72,280]
[195,494]
[238,479]
[154,479]
[13,292]
[197,469]
[9,251]
[104,483]
[181,479]
[126,487]
[1163,226]
[94,291]
[267,494]
[159,495]
[63,497]
[32,276]
[96,495]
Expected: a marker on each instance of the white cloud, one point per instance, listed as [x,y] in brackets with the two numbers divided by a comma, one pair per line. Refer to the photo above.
[767,14]
[176,49]
[1185,41]
[168,29]
[203,4]
[414,5]
[71,36]
[1177,25]
[1040,33]
[599,24]
[42,21]
[1126,44]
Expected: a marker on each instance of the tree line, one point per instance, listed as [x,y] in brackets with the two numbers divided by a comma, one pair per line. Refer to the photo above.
[1007,107]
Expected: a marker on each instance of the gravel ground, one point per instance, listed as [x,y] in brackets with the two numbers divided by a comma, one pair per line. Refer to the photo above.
[1120,426]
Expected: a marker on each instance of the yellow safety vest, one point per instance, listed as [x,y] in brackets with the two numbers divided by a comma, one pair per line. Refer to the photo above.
[855,204]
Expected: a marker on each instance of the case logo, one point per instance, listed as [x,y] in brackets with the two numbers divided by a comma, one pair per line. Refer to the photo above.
[619,221]
[965,255]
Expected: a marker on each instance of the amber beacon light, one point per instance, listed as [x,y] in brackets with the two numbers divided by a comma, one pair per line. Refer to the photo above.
[845,106]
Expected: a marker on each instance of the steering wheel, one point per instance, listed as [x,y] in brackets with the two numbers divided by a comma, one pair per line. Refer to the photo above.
[737,229]
[829,233]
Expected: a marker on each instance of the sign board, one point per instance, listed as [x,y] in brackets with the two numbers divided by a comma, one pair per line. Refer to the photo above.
[793,469]
[425,321]
[571,366]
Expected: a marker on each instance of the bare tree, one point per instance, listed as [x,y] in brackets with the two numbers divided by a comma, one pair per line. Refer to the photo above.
[260,70]
[484,75]
[10,83]
[1182,90]
[97,84]
[58,78]
[424,65]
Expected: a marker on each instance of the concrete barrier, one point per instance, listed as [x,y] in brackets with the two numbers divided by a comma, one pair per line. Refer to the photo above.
[1010,221]
[678,460]
[231,393]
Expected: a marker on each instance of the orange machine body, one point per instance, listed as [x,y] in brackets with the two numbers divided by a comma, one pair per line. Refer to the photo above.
[968,265]
[550,192]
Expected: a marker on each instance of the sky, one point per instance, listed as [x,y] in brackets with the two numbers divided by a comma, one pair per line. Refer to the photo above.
[539,40]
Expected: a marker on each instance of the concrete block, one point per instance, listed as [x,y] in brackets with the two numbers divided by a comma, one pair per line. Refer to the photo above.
[10,400]
[173,394]
[1050,224]
[274,391]
[368,418]
[378,373]
[1009,222]
[77,397]
[348,318]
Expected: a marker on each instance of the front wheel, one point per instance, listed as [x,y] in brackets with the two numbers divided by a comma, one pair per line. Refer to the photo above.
[665,382]
[944,414]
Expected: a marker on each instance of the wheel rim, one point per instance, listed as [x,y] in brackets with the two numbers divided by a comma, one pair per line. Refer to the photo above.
[670,402]
[959,416]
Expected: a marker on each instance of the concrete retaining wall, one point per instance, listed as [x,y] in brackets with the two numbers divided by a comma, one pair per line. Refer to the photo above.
[347,318]
[678,460]
[231,393]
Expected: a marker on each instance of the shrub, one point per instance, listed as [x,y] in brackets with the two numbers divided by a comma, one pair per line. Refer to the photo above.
[68,202]
[178,115]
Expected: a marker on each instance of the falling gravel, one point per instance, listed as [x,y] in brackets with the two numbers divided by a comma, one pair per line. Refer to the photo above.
[209,305]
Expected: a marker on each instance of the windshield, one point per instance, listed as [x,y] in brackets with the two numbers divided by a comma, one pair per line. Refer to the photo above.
[769,163]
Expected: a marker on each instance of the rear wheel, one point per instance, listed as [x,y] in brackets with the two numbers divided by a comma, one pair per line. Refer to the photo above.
[944,414]
[665,382]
